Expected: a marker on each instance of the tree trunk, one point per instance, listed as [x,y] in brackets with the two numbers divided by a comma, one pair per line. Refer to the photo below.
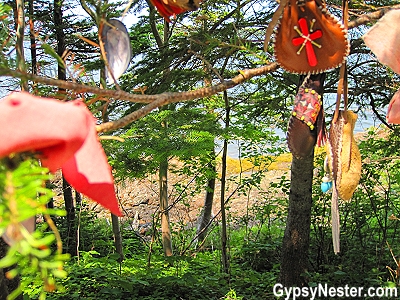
[67,189]
[224,235]
[3,286]
[32,38]
[165,228]
[206,212]
[71,230]
[7,285]
[117,237]
[20,24]
[296,240]
[60,35]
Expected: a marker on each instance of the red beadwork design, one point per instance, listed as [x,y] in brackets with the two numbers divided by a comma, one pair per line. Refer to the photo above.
[307,105]
[306,40]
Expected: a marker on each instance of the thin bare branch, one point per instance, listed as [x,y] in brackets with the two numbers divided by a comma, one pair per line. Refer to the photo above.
[155,101]
[166,98]
[364,19]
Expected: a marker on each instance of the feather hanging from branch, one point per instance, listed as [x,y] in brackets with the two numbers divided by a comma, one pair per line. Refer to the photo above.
[117,47]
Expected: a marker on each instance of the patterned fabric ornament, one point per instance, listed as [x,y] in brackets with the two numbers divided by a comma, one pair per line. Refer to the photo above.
[307,106]
[306,126]
[309,39]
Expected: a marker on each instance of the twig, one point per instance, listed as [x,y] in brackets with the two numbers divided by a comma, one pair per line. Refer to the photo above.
[364,19]
[166,98]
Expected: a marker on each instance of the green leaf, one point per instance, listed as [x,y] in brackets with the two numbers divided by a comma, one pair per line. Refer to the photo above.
[50,51]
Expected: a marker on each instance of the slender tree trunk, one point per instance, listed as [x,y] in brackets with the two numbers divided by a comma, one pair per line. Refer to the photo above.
[117,237]
[70,209]
[20,22]
[206,213]
[67,189]
[296,240]
[7,285]
[32,38]
[60,35]
[224,235]
[3,286]
[165,228]
[114,219]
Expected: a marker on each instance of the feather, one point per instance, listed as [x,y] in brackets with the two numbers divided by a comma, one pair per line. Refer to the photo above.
[335,219]
[118,48]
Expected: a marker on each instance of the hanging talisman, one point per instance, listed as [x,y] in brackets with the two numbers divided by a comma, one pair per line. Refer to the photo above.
[306,126]
[309,39]
[342,166]
[383,40]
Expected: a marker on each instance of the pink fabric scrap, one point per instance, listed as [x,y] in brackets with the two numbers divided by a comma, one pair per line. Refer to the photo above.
[63,134]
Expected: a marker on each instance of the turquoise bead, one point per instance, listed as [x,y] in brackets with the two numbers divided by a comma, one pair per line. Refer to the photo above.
[326,186]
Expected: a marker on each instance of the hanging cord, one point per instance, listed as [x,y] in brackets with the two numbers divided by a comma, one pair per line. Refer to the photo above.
[343,83]
[342,89]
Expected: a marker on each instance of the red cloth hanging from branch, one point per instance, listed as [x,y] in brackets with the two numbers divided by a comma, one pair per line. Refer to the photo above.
[63,135]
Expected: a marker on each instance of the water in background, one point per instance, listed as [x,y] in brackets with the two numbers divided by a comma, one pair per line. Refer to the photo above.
[366,119]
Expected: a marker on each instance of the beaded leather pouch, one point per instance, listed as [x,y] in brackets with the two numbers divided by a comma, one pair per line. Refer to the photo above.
[309,39]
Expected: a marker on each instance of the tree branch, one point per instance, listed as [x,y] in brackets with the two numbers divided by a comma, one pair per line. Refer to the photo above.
[166,98]
[364,19]
[155,101]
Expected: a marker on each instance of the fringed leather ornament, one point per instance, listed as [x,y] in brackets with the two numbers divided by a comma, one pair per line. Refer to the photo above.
[309,39]
[344,166]
[300,139]
[344,155]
